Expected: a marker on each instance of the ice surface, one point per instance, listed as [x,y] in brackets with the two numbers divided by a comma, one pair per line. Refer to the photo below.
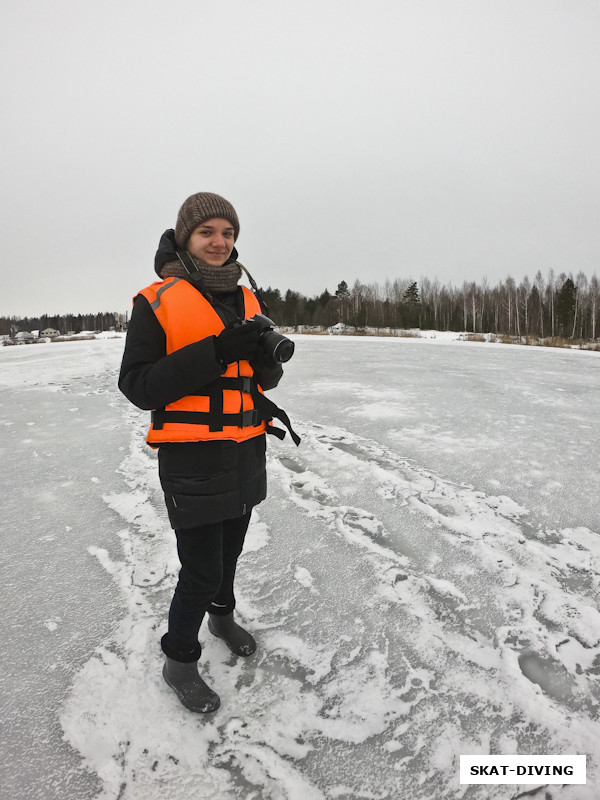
[422,581]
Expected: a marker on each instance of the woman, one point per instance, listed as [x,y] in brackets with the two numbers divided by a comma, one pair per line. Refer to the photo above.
[191,358]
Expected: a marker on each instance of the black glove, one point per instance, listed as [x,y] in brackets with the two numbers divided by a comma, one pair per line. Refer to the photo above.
[263,361]
[237,344]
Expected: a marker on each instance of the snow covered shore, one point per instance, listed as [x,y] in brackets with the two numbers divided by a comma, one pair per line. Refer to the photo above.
[422,580]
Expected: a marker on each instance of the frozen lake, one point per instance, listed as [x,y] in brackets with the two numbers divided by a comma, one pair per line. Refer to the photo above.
[422,580]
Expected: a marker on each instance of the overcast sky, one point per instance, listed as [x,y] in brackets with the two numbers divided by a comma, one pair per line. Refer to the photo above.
[456,139]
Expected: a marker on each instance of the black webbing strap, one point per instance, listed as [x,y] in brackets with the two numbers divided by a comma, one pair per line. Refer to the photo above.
[280,434]
[215,406]
[241,384]
[241,419]
[187,262]
[215,394]
[268,410]
[157,420]
[261,301]
[264,410]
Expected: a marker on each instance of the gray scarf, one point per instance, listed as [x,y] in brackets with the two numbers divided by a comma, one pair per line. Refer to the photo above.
[212,279]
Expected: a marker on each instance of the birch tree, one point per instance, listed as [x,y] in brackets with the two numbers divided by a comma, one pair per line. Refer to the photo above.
[539,284]
[594,302]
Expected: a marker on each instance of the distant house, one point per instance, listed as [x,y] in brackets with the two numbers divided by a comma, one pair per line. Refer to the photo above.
[50,332]
[24,336]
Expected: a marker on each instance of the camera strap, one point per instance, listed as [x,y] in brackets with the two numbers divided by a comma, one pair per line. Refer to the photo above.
[261,301]
[187,262]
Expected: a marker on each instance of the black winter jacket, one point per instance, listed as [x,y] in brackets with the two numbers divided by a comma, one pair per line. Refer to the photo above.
[203,482]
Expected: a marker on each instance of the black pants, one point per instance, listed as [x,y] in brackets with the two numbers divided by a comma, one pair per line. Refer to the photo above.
[208,556]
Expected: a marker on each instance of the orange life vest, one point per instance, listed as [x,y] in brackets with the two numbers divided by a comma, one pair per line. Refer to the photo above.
[228,409]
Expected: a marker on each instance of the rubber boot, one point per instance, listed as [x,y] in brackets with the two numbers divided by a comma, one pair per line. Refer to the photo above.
[189,686]
[235,637]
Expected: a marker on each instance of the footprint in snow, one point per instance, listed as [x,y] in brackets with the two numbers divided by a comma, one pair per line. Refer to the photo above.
[365,523]
[292,464]
[550,676]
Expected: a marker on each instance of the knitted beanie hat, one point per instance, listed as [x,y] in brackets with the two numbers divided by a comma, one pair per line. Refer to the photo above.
[197,209]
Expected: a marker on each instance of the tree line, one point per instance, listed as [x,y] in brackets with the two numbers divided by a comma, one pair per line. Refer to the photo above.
[66,323]
[552,306]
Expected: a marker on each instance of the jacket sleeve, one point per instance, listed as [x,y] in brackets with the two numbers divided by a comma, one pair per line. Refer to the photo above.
[150,378]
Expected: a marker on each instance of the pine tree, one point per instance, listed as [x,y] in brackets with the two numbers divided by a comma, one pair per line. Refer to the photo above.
[342,292]
[411,295]
[565,305]
[324,298]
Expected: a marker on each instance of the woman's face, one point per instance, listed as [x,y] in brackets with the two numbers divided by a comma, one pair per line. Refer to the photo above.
[212,241]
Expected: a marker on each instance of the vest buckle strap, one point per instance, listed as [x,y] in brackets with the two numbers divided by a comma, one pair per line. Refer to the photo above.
[250,418]
[243,419]
[157,418]
[245,383]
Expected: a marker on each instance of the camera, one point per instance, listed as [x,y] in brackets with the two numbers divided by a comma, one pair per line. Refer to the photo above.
[274,344]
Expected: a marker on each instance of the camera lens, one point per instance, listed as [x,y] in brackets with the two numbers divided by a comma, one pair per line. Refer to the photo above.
[283,351]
